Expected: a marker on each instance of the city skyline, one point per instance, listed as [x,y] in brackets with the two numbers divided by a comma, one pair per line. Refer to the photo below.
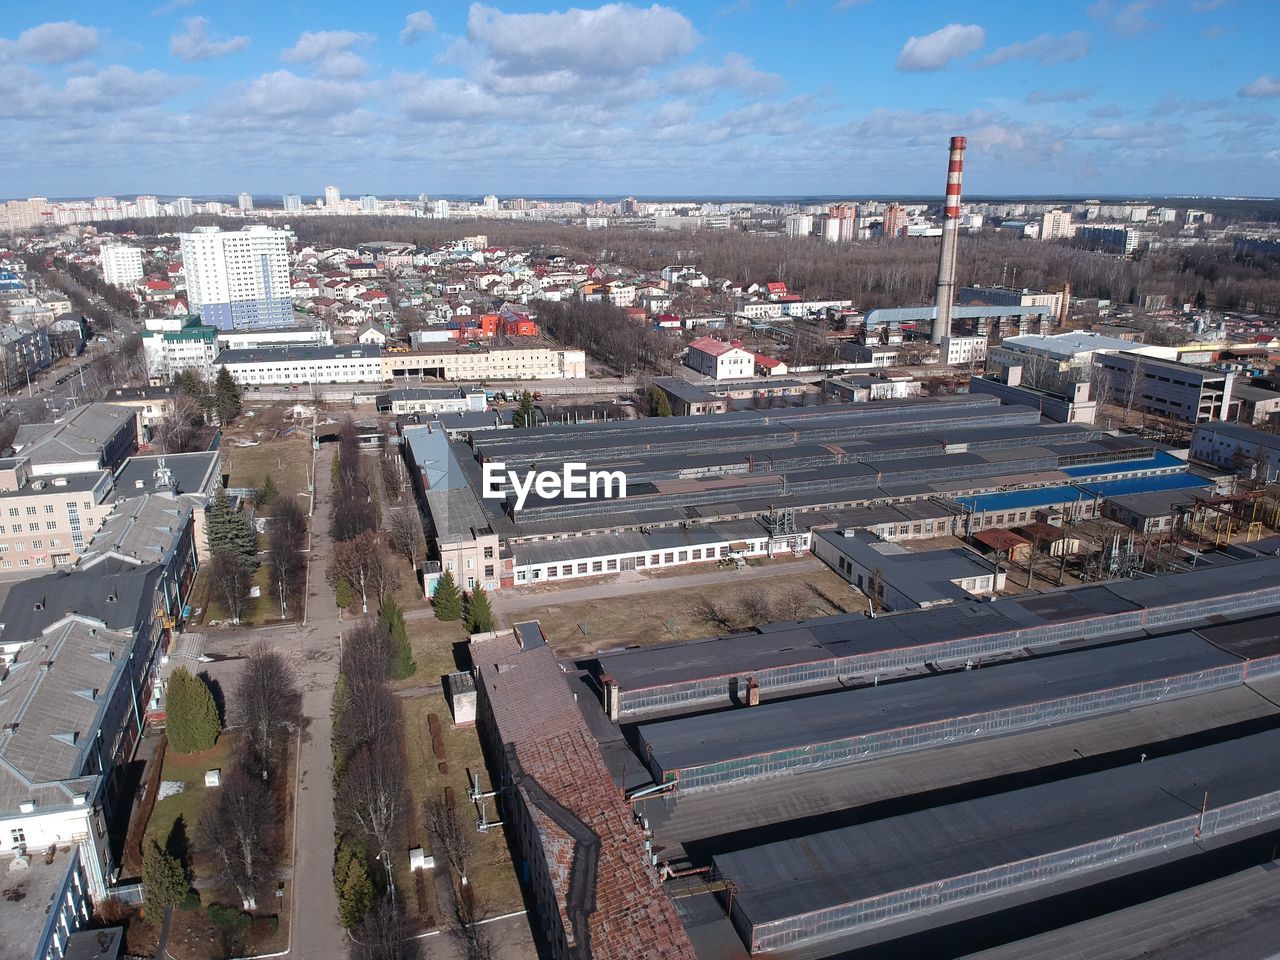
[719,98]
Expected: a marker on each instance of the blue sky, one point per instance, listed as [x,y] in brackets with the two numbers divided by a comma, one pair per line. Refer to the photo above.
[843,97]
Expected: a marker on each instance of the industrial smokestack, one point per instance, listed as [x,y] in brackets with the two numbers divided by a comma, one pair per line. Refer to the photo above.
[947,258]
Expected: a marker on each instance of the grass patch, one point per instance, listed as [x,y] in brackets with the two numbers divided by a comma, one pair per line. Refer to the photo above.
[433,645]
[188,768]
[259,611]
[664,616]
[493,876]
[287,459]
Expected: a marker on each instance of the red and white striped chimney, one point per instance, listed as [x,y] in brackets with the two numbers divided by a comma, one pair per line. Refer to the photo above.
[950,229]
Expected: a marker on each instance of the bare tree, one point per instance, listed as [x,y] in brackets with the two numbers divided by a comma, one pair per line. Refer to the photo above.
[404,530]
[175,432]
[706,610]
[469,930]
[230,581]
[456,837]
[285,537]
[366,716]
[756,608]
[269,703]
[795,603]
[370,798]
[236,829]
[362,562]
[386,934]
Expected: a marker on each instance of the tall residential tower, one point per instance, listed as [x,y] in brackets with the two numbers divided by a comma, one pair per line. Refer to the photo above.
[238,279]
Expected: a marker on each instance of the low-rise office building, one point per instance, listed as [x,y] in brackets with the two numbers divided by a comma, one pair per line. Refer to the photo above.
[1240,449]
[1178,391]
[303,365]
[519,358]
[90,437]
[431,400]
[719,359]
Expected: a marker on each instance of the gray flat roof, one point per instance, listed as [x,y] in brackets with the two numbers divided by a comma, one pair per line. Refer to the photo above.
[844,866]
[299,352]
[193,473]
[791,724]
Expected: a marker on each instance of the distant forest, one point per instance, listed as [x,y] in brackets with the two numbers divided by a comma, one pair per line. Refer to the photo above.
[877,273]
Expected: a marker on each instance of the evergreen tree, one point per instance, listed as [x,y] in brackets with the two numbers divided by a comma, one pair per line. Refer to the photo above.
[342,593]
[195,387]
[267,493]
[659,405]
[356,894]
[526,414]
[448,599]
[229,531]
[392,617]
[164,882]
[226,397]
[192,722]
[479,613]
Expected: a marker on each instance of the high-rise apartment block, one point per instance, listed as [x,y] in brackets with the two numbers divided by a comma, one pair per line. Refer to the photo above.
[368,203]
[332,197]
[895,220]
[1056,225]
[121,264]
[183,207]
[238,279]
[292,203]
[245,201]
[148,206]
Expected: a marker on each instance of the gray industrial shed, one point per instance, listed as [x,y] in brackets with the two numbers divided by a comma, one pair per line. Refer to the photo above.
[841,881]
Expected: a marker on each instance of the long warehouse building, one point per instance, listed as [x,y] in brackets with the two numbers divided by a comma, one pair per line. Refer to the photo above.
[842,881]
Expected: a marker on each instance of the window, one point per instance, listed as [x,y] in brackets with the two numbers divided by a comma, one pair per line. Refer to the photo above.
[37,544]
[597,566]
[13,511]
[18,835]
[488,553]
[582,568]
[488,571]
[31,511]
[33,527]
[51,525]
[48,508]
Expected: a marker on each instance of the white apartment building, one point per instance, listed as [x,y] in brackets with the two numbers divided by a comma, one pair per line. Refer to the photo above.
[245,202]
[292,203]
[121,264]
[318,335]
[148,206]
[262,365]
[238,279]
[720,360]
[1055,225]
[332,197]
[799,225]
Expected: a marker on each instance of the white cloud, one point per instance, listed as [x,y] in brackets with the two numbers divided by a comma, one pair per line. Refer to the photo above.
[1265,86]
[118,88]
[935,50]
[1047,49]
[194,44]
[329,53]
[1074,95]
[446,98]
[417,24]
[735,72]
[616,39]
[59,42]
[284,93]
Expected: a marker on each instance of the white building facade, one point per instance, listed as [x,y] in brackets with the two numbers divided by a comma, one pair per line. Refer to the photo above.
[121,264]
[238,279]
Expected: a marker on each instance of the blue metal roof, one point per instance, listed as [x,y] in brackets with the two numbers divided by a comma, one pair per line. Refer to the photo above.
[1170,481]
[1022,499]
[1160,461]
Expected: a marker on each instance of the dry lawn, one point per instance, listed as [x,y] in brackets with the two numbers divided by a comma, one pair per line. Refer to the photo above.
[286,459]
[665,615]
[435,650]
[492,874]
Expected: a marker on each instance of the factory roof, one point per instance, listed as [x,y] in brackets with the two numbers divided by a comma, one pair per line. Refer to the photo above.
[1131,485]
[81,433]
[114,592]
[793,724]
[299,353]
[1066,345]
[1239,432]
[923,576]
[1159,460]
[659,538]
[855,863]
[434,456]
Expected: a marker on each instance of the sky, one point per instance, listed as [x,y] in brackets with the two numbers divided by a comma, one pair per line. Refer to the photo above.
[683,98]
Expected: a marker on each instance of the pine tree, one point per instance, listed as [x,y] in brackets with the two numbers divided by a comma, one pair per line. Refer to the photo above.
[356,896]
[479,613]
[659,405]
[526,414]
[226,397]
[342,593]
[392,617]
[230,531]
[192,722]
[267,493]
[448,599]
[164,882]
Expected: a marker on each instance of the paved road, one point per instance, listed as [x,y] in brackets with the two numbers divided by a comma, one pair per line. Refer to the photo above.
[313,649]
